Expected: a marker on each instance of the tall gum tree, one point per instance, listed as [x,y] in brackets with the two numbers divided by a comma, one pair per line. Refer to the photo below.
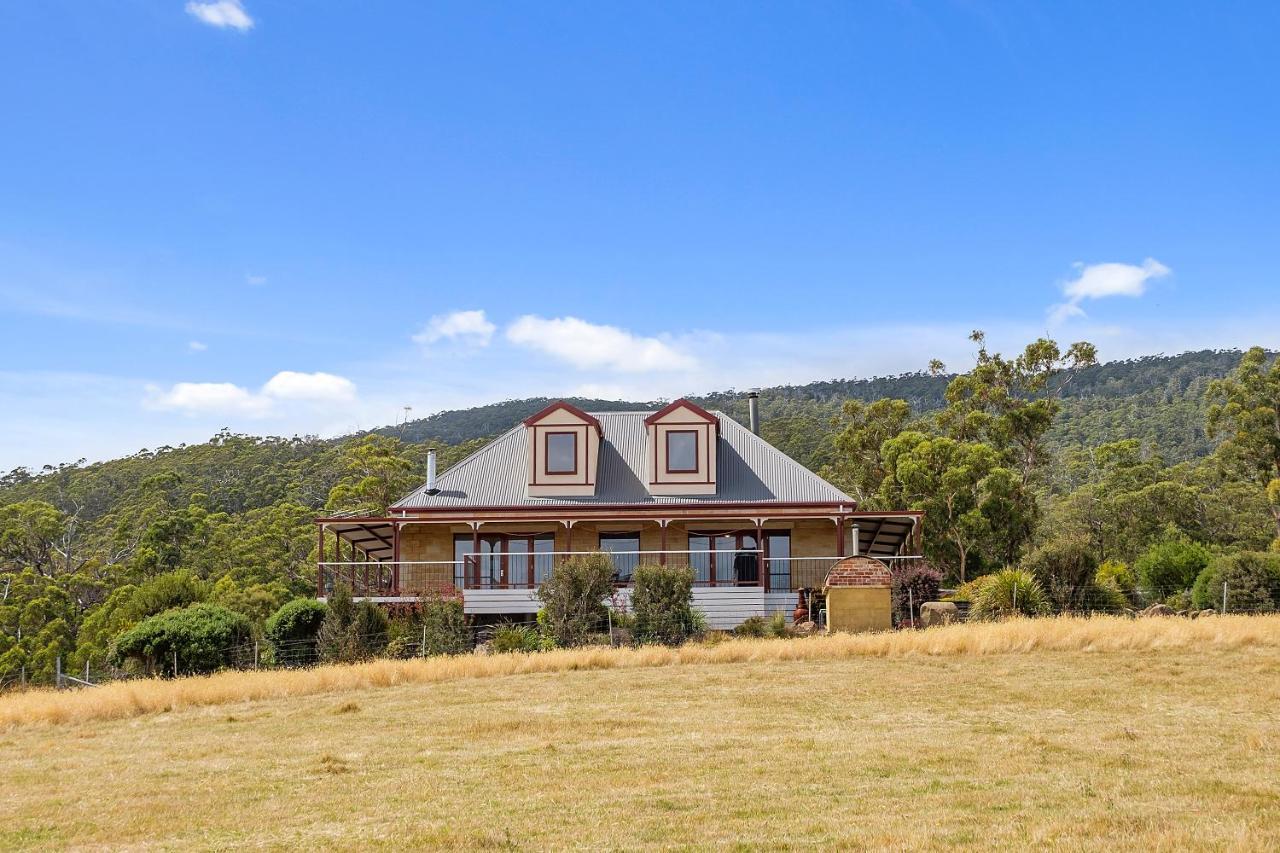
[1245,415]
[1010,404]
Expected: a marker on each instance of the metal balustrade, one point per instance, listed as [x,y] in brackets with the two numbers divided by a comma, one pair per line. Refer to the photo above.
[527,570]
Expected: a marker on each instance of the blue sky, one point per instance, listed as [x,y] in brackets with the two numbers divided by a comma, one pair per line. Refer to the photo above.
[289,217]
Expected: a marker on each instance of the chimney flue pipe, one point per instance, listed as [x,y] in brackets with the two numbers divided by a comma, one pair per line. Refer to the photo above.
[431,472]
[753,408]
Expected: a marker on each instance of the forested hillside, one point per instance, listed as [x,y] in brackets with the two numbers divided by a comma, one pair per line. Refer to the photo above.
[1157,400]
[1008,457]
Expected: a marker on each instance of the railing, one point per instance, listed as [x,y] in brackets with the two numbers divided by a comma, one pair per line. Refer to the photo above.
[515,570]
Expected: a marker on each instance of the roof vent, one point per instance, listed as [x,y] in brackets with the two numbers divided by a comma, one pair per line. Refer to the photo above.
[753,409]
[431,472]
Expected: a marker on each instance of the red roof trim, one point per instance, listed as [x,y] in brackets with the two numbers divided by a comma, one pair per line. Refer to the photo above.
[571,409]
[682,403]
[654,510]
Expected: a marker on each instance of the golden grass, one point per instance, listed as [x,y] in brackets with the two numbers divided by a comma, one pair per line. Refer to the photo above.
[1097,634]
[1101,734]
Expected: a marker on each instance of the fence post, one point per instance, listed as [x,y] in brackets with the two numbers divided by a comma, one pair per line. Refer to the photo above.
[1224,598]
[57,672]
[609,616]
[175,663]
[422,650]
[1015,599]
[911,607]
[86,672]
[255,654]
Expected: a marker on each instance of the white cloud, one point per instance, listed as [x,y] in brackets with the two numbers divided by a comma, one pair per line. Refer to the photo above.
[221,14]
[468,327]
[1099,281]
[197,346]
[195,398]
[588,345]
[287,386]
[319,387]
[255,280]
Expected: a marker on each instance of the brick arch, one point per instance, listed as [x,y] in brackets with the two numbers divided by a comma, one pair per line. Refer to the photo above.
[858,571]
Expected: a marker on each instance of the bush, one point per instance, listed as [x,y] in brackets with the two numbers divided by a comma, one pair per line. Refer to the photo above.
[443,624]
[517,638]
[662,602]
[293,630]
[752,626]
[1008,592]
[1170,566]
[1118,576]
[350,631]
[1252,579]
[1065,569]
[921,581]
[969,591]
[573,598]
[204,637]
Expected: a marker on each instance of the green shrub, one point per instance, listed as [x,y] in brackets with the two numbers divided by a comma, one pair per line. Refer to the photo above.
[662,602]
[203,637]
[1118,576]
[258,601]
[517,638]
[758,626]
[969,591]
[1009,592]
[573,598]
[1170,565]
[293,630]
[1252,579]
[444,624]
[1106,597]
[351,631]
[752,626]
[778,626]
[1065,569]
[698,626]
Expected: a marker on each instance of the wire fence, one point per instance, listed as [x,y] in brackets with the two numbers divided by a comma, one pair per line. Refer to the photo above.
[412,637]
[1089,599]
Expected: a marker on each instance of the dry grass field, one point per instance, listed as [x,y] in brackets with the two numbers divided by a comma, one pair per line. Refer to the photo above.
[1160,733]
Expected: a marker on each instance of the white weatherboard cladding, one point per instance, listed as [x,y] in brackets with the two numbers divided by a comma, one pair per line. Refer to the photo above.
[725,607]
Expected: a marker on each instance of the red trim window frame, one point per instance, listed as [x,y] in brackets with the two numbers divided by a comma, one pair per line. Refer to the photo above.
[696,450]
[546,454]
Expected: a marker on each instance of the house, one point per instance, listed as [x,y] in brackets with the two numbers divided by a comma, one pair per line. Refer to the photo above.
[677,486]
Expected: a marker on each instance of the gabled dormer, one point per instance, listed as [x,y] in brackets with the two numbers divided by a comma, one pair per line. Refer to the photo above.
[564,450]
[682,450]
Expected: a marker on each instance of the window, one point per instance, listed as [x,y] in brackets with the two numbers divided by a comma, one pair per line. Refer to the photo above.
[682,451]
[778,559]
[562,453]
[725,559]
[617,544]
[505,561]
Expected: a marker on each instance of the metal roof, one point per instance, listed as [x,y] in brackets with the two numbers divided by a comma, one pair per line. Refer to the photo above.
[748,470]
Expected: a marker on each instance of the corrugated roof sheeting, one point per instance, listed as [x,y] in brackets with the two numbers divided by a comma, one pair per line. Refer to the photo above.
[749,469]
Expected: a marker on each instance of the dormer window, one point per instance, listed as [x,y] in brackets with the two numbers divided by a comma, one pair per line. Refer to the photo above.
[682,451]
[562,452]
[564,448]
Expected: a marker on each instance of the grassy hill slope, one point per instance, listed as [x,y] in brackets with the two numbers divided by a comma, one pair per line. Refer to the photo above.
[1141,741]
